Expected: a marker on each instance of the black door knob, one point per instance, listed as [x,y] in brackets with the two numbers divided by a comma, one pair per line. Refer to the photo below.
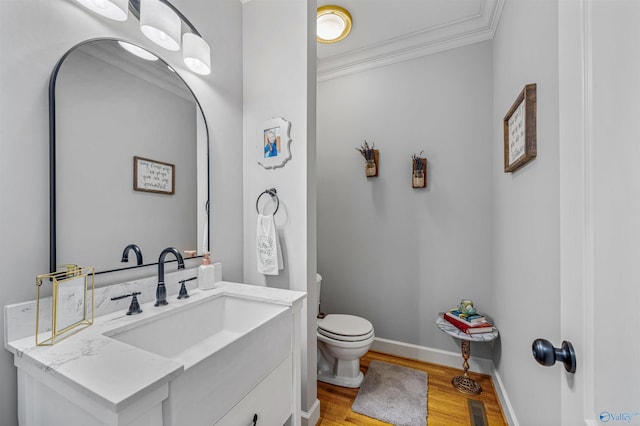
[547,355]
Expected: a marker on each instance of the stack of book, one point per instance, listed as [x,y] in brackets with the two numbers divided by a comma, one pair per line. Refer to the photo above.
[470,324]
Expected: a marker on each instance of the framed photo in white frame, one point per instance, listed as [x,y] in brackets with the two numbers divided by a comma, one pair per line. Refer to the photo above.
[273,150]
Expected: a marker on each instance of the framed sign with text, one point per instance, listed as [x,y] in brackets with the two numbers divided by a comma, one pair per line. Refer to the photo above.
[153,176]
[520,130]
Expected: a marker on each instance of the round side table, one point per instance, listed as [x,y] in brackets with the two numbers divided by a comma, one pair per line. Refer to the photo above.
[464,383]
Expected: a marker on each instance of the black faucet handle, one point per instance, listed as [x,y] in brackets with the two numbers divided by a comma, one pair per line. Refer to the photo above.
[183,289]
[134,307]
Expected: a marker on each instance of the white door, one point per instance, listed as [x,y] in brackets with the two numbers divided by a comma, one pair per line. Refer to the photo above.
[600,209]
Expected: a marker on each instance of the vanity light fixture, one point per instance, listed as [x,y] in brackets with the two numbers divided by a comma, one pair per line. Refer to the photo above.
[333,24]
[196,53]
[160,24]
[118,10]
[138,51]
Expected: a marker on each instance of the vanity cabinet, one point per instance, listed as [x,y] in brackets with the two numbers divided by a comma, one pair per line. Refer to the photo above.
[92,378]
[270,400]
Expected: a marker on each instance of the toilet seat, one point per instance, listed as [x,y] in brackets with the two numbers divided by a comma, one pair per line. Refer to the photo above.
[345,328]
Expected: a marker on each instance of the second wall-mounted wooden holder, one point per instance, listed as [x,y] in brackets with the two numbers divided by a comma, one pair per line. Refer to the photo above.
[419,174]
[372,166]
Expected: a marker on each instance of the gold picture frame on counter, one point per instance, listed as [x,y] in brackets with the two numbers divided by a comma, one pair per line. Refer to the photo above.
[69,309]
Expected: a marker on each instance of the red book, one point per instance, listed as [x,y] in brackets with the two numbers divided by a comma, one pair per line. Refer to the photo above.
[484,327]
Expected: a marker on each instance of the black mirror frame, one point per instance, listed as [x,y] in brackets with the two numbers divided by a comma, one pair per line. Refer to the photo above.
[52,157]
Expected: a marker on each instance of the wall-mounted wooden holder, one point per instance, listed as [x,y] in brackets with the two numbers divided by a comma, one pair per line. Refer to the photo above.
[372,168]
[419,176]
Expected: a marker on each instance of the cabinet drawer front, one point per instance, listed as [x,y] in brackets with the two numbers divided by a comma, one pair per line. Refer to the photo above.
[271,400]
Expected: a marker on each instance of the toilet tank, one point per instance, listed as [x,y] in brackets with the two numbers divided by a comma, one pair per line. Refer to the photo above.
[318,285]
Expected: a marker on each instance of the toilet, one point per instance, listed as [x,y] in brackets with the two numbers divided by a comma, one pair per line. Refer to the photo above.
[342,341]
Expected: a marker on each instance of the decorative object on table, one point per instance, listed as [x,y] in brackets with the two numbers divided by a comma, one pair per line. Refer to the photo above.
[464,383]
[371,156]
[273,151]
[466,307]
[70,306]
[153,176]
[482,326]
[394,394]
[471,319]
[419,170]
[520,130]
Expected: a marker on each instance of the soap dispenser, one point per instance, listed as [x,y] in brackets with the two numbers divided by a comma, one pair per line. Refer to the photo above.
[206,271]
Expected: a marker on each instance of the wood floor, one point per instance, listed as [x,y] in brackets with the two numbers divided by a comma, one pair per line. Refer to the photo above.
[446,406]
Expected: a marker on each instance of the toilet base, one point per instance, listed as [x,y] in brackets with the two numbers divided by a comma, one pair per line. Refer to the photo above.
[346,382]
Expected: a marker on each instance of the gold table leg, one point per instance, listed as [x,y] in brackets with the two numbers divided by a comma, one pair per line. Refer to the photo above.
[464,383]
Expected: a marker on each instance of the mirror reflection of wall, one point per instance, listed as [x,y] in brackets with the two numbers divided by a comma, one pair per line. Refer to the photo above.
[110,107]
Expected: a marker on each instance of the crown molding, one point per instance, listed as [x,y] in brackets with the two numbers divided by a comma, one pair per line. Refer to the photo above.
[462,32]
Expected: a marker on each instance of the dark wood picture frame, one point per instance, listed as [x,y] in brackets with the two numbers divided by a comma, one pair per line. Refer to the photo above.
[520,130]
[153,176]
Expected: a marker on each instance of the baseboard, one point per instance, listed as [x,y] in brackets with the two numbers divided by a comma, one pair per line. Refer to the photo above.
[311,417]
[505,402]
[436,356]
[449,359]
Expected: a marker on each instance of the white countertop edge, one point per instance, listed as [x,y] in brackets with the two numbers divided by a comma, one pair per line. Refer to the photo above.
[67,360]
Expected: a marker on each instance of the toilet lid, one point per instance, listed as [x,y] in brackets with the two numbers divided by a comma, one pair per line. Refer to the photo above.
[344,325]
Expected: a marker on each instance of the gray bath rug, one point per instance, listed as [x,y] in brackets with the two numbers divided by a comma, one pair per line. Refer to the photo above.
[393,394]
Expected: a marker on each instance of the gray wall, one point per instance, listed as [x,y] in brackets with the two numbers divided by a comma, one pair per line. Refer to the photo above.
[34,34]
[390,253]
[527,211]
[398,255]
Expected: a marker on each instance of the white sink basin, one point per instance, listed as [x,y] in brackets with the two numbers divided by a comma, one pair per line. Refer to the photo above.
[196,331]
[221,339]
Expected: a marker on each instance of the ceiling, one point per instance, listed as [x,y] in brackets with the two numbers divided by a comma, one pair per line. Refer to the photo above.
[390,31]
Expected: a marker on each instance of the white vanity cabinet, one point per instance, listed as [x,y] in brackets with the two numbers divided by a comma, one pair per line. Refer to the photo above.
[92,378]
[269,402]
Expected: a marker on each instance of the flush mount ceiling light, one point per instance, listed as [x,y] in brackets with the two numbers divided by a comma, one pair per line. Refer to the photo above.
[334,24]
[118,10]
[138,51]
[196,54]
[160,24]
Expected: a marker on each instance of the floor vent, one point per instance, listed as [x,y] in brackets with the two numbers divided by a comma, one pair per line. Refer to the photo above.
[477,413]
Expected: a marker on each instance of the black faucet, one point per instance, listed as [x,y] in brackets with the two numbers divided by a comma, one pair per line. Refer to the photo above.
[136,250]
[161,290]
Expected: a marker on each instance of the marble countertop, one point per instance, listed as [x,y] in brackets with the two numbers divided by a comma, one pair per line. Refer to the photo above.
[113,373]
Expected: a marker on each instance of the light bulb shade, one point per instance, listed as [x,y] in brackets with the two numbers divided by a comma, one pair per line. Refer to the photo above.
[138,51]
[118,10]
[196,53]
[333,24]
[160,24]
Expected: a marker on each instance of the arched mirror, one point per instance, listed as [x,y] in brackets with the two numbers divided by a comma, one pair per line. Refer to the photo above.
[129,158]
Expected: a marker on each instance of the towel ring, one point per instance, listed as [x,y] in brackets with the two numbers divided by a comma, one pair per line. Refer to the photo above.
[273,193]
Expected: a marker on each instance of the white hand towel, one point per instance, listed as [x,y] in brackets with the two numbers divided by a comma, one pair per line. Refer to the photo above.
[268,249]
